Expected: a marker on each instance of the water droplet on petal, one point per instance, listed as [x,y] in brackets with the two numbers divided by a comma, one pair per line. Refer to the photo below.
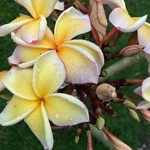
[57,115]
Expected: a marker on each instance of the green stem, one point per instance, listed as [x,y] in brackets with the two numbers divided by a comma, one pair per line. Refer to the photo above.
[120,65]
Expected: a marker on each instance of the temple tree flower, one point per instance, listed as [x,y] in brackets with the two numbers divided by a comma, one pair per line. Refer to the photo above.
[32,28]
[121,19]
[2,74]
[34,89]
[83,59]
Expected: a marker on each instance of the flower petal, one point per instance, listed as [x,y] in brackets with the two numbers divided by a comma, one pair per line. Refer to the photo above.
[18,22]
[25,54]
[72,112]
[28,5]
[2,74]
[38,7]
[39,125]
[90,48]
[16,110]
[143,105]
[82,68]
[123,21]
[78,24]
[19,82]
[146,89]
[34,30]
[144,36]
[59,5]
[48,74]
[138,90]
[47,42]
[115,3]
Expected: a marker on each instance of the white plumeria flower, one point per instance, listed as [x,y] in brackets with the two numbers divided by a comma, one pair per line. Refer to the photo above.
[34,99]
[83,59]
[32,28]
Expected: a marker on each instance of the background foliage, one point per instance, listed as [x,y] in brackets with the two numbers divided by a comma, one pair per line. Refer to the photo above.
[19,136]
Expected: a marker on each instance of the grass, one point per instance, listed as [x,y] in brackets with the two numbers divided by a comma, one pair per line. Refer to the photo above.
[19,136]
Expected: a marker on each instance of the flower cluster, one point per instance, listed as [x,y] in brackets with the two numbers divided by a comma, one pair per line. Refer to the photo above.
[54,73]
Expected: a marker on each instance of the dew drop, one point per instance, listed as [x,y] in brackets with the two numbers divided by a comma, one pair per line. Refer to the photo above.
[57,115]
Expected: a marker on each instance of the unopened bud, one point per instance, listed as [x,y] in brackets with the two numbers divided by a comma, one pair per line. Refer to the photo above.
[100,122]
[146,114]
[77,136]
[129,104]
[134,114]
[131,50]
[106,92]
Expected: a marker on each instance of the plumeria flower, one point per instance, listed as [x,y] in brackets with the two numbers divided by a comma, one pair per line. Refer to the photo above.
[144,91]
[35,99]
[121,19]
[32,28]
[83,59]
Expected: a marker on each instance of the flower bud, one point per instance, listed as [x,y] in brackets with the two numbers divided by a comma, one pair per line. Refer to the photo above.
[143,105]
[100,122]
[134,114]
[106,92]
[129,104]
[146,114]
[131,50]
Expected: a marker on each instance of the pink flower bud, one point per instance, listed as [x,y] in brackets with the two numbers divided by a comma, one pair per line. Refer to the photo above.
[146,114]
[106,92]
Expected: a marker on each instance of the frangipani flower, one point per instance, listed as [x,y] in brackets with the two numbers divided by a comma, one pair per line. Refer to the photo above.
[34,99]
[83,59]
[124,22]
[32,29]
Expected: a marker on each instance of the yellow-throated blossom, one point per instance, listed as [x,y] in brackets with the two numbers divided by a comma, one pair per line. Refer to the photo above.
[83,59]
[121,19]
[32,29]
[34,99]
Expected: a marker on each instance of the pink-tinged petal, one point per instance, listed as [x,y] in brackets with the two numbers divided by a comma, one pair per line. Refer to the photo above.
[72,112]
[144,36]
[34,30]
[19,82]
[2,74]
[48,73]
[143,105]
[82,68]
[39,125]
[28,5]
[25,54]
[115,3]
[146,89]
[124,22]
[98,18]
[78,24]
[18,22]
[59,5]
[138,91]
[47,42]
[91,49]
[16,110]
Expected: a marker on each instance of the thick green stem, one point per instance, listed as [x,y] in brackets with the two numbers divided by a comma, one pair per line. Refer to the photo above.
[120,65]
